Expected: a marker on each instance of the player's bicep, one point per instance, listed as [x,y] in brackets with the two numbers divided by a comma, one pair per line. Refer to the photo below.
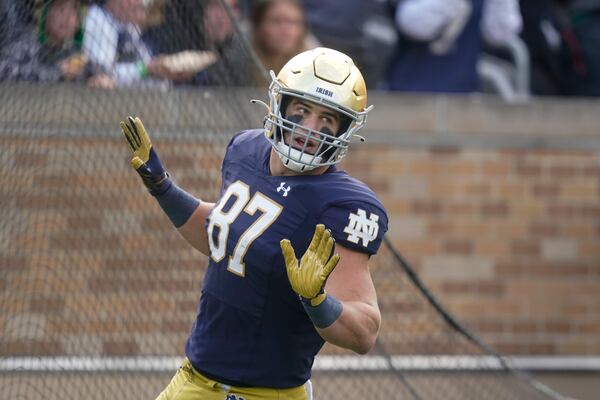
[194,230]
[351,279]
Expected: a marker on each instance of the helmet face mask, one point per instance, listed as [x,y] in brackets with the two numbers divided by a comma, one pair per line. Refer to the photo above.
[326,78]
[297,143]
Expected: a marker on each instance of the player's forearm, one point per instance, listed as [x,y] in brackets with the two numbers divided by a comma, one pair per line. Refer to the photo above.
[187,213]
[356,328]
[194,231]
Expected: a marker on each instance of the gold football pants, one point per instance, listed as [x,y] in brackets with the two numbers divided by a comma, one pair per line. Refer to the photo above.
[189,384]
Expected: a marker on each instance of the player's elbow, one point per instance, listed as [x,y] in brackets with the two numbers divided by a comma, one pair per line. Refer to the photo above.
[366,338]
[365,344]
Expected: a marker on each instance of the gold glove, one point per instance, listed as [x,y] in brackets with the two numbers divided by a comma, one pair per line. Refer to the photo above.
[308,277]
[138,140]
[144,158]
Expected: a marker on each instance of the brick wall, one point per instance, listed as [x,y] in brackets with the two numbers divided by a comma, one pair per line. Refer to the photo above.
[89,264]
[508,239]
[505,233]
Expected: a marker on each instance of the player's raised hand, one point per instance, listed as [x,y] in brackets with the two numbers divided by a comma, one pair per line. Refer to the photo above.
[309,275]
[144,159]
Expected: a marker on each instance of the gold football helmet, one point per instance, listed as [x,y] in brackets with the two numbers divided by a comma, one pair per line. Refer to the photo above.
[329,79]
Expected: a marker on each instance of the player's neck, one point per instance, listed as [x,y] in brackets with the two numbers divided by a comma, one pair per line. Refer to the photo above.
[277,168]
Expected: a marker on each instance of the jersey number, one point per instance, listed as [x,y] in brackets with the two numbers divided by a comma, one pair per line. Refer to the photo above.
[223,219]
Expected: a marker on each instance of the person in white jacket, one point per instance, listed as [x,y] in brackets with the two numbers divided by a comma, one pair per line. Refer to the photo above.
[442,41]
[115,49]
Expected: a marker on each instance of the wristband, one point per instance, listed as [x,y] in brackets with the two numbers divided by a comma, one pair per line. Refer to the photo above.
[156,184]
[178,204]
[325,313]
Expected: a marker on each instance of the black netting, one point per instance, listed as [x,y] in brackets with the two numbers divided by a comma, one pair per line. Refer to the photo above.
[97,290]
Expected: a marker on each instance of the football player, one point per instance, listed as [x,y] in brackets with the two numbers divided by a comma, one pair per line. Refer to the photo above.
[264,313]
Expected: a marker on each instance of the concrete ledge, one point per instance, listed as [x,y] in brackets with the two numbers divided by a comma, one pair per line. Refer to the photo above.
[398,119]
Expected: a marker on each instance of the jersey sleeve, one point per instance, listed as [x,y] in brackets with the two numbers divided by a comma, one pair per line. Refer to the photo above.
[227,160]
[243,152]
[231,158]
[359,226]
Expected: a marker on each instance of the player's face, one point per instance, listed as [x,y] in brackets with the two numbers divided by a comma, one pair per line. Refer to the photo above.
[311,116]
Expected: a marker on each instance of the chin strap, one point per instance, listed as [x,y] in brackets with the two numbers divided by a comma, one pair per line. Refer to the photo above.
[286,152]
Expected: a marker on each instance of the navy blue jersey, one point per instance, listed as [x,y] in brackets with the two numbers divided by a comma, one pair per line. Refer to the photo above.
[251,329]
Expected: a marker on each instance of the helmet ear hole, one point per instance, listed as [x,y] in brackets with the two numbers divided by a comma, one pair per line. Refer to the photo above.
[344,125]
[285,102]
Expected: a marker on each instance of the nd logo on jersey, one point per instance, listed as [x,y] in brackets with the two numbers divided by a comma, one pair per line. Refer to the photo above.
[234,397]
[361,227]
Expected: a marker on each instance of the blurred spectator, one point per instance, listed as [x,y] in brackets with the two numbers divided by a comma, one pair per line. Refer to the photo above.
[114,46]
[15,19]
[586,25]
[218,34]
[155,13]
[443,41]
[50,53]
[279,31]
[363,29]
[556,58]
[179,29]
[216,24]
[204,26]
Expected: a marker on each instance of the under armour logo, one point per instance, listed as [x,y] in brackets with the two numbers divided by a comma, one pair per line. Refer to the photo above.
[361,227]
[233,397]
[283,188]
